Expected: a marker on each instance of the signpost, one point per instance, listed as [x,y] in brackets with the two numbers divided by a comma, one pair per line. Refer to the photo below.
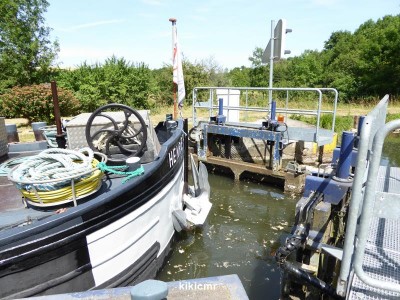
[275,49]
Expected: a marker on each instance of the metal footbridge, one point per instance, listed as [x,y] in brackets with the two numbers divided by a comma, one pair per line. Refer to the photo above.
[370,266]
[244,112]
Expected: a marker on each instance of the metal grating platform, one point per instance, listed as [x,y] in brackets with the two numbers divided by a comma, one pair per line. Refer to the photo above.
[388,180]
[382,255]
[381,260]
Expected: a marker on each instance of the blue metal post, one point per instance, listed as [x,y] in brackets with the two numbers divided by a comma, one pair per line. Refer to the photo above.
[221,118]
[346,149]
[360,123]
[273,109]
[220,106]
[359,127]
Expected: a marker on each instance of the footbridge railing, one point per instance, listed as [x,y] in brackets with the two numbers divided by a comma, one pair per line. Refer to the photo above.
[240,102]
[369,203]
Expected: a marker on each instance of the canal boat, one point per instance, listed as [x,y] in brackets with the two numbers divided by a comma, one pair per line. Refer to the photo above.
[109,222]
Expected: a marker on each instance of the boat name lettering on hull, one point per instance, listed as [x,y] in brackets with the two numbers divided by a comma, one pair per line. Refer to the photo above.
[175,152]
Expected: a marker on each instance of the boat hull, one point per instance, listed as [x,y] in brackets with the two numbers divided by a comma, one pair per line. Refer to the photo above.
[119,238]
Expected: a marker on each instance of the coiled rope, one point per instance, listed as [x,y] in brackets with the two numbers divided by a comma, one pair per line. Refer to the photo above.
[57,175]
[6,167]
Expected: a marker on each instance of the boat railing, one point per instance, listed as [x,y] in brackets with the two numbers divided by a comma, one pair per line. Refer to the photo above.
[363,198]
[252,100]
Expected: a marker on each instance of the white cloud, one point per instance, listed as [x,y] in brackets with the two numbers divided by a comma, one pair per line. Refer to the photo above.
[90,25]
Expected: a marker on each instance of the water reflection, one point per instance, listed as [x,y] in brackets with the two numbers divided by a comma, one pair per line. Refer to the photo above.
[240,237]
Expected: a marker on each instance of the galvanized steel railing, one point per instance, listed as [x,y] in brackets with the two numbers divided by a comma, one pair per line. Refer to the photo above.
[368,210]
[373,132]
[211,103]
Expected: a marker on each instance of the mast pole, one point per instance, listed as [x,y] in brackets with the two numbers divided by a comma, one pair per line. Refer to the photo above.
[173,22]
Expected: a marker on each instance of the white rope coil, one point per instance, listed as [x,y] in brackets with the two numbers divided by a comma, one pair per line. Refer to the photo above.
[53,163]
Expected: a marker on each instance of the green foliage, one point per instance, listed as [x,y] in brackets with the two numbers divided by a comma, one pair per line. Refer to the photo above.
[342,123]
[361,65]
[26,53]
[306,69]
[259,76]
[365,64]
[256,58]
[239,77]
[195,75]
[114,81]
[391,117]
[35,103]
[163,91]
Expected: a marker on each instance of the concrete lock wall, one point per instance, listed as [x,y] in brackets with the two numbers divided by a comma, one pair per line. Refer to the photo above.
[231,98]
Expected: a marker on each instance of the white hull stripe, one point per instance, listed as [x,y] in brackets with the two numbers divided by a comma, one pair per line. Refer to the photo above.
[122,243]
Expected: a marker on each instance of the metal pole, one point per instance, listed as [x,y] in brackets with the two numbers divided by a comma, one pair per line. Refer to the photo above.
[173,22]
[271,62]
[346,149]
[60,137]
[273,110]
[57,116]
[186,157]
[220,106]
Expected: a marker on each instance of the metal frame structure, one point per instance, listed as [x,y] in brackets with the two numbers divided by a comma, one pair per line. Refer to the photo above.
[212,105]
[362,203]
[273,136]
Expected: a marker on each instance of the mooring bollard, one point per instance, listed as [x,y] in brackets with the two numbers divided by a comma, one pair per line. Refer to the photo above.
[133,163]
[36,130]
[12,133]
[150,290]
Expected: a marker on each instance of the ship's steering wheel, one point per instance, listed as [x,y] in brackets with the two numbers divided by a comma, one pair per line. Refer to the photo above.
[118,137]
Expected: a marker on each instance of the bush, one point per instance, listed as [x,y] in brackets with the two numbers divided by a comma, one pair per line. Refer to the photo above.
[35,102]
[115,81]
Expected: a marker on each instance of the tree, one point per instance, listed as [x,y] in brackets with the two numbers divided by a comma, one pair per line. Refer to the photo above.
[217,74]
[306,70]
[116,80]
[239,76]
[380,63]
[256,59]
[26,52]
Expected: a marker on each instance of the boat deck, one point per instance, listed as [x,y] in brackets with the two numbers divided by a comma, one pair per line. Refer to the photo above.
[382,252]
[14,212]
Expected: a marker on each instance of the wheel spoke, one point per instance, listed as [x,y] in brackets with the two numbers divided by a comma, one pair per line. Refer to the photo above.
[119,136]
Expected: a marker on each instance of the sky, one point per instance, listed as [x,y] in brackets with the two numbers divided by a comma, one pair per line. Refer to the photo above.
[222,31]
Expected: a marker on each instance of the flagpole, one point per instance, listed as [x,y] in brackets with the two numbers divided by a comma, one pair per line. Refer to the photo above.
[173,21]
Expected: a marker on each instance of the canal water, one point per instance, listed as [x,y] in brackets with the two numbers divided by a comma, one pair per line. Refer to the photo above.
[243,231]
[246,225]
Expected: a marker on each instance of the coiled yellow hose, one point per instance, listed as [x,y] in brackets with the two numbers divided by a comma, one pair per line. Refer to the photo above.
[75,176]
[83,187]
